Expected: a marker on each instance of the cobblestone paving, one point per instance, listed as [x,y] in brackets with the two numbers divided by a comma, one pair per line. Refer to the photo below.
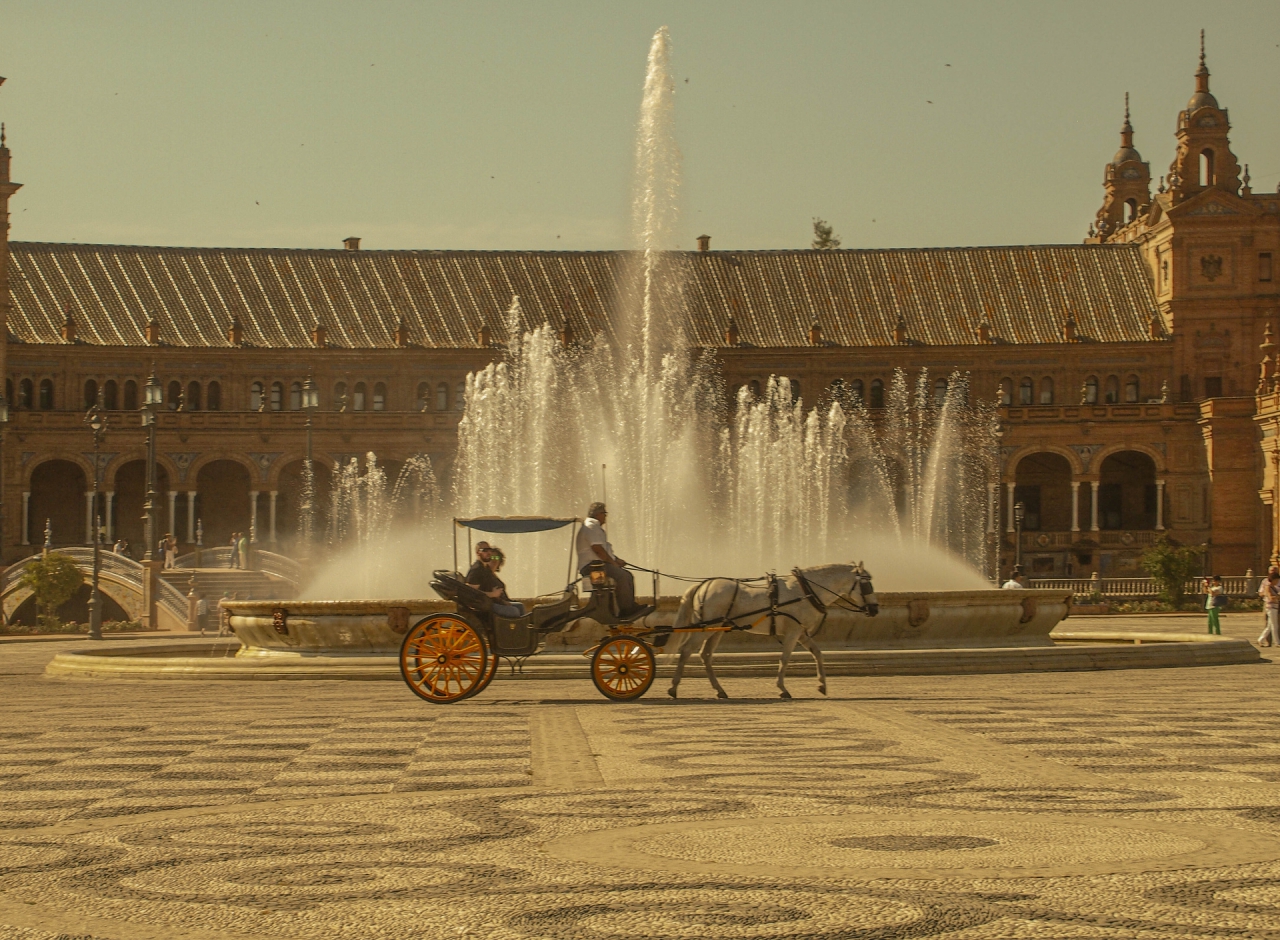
[1141,804]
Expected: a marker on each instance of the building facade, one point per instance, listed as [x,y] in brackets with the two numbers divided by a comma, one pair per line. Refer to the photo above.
[1126,367]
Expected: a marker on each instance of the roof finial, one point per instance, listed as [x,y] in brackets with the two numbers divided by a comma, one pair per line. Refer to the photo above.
[1202,48]
[1202,73]
[1126,107]
[1,133]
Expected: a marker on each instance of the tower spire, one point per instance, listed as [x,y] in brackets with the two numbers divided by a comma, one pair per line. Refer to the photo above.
[1202,73]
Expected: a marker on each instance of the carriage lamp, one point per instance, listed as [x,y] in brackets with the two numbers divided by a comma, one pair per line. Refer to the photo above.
[598,577]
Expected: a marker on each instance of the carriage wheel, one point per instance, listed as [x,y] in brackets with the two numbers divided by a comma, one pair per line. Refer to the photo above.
[491,670]
[443,659]
[623,668]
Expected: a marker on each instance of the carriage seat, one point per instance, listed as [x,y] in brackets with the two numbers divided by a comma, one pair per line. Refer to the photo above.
[453,587]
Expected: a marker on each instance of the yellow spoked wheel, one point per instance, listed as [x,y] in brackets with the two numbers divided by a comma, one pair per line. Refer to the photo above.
[491,670]
[623,668]
[443,659]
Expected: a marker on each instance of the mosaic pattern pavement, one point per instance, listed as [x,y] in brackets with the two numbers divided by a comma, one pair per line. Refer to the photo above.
[1126,805]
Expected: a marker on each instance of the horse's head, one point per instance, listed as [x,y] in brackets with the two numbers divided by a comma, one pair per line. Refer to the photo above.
[862,584]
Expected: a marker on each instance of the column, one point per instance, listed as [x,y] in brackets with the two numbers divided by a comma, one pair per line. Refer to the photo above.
[1093,505]
[1009,516]
[993,508]
[274,494]
[111,528]
[253,515]
[1075,505]
[26,517]
[191,517]
[173,512]
[1159,505]
[88,517]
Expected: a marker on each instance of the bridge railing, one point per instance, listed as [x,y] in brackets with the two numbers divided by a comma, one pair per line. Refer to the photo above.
[269,563]
[122,567]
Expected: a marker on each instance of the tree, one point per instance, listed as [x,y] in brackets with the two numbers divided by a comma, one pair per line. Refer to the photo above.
[1170,565]
[824,236]
[53,579]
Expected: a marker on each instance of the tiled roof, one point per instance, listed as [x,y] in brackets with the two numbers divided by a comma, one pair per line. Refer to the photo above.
[857,296]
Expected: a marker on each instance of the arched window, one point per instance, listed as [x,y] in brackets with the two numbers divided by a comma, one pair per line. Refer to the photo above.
[442,397]
[795,390]
[1006,391]
[255,396]
[877,393]
[1046,391]
[111,395]
[8,391]
[1112,390]
[130,395]
[357,397]
[215,396]
[340,396]
[460,397]
[1206,167]
[380,396]
[277,396]
[940,391]
[856,389]
[175,395]
[193,396]
[754,385]
[90,393]
[1091,390]
[295,396]
[25,393]
[1024,391]
[1131,388]
[46,394]
[424,396]
[1130,210]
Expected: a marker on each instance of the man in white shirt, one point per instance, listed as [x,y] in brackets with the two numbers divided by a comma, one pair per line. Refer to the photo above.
[1015,581]
[593,545]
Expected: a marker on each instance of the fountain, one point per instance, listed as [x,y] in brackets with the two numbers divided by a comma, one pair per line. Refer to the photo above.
[698,484]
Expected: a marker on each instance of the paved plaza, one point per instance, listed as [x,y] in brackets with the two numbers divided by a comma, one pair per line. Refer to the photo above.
[1127,804]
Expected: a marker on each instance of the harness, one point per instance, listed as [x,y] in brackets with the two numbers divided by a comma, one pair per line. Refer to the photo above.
[774,610]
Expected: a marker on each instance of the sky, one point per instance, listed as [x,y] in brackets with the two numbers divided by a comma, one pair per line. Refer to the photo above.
[489,125]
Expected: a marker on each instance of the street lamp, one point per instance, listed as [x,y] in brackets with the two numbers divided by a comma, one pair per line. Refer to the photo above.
[152,401]
[310,402]
[97,421]
[4,421]
[1019,513]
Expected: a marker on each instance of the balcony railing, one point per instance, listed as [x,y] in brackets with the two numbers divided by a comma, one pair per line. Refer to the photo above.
[1116,589]
[1107,538]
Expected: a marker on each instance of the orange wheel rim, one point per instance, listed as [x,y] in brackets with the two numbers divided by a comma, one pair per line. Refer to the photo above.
[443,659]
[622,667]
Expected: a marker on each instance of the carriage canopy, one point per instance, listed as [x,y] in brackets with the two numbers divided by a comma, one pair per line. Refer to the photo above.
[509,525]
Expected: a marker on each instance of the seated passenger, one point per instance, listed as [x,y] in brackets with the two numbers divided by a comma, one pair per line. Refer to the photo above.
[483,576]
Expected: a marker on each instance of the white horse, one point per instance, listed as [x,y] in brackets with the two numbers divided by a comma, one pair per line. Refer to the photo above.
[791,608]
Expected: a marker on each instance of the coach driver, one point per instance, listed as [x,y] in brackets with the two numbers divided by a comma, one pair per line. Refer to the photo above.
[593,545]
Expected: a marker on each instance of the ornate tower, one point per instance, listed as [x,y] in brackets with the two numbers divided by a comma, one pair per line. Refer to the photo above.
[1127,184]
[7,189]
[1204,159]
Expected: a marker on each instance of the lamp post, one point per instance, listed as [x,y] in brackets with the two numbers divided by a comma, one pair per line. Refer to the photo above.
[97,421]
[152,401]
[310,402]
[1019,514]
[4,420]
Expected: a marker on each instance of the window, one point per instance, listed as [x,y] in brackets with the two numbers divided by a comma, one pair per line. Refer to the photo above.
[1024,391]
[1006,391]
[215,396]
[193,396]
[424,396]
[357,397]
[1206,167]
[460,397]
[1046,391]
[277,396]
[940,392]
[1130,210]
[46,394]
[1113,390]
[255,396]
[25,390]
[111,395]
[442,397]
[1213,386]
[90,393]
[877,393]
[855,389]
[340,396]
[1264,266]
[1091,390]
[795,389]
[295,396]
[8,391]
[130,395]
[1131,389]
[175,395]
[754,385]
[380,396]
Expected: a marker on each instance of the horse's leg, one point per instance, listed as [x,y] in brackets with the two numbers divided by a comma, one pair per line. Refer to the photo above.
[808,643]
[708,650]
[788,644]
[686,650]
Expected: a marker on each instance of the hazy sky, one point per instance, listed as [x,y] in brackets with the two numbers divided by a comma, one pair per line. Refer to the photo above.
[509,125]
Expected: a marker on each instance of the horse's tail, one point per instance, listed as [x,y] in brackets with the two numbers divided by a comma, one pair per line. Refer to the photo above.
[685,615]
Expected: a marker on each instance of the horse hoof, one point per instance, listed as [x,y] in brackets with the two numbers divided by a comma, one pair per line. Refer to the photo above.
[785,694]
[822,689]
[672,692]
[722,694]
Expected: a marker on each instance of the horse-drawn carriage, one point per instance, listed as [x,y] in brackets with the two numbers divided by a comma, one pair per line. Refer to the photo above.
[449,656]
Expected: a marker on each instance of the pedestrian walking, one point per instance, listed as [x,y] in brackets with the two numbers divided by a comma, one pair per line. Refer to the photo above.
[121,547]
[1270,592]
[169,547]
[1215,598]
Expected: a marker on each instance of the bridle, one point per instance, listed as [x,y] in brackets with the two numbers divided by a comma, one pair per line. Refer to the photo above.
[861,580]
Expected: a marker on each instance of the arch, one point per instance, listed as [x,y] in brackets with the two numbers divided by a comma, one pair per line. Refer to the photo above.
[193,396]
[424,396]
[295,396]
[340,396]
[1026,391]
[1127,490]
[380,396]
[1130,210]
[857,389]
[277,396]
[877,394]
[939,391]
[111,395]
[119,603]
[255,396]
[278,478]
[174,397]
[90,393]
[222,501]
[1027,450]
[1111,393]
[460,397]
[754,387]
[288,484]
[57,486]
[215,396]
[442,397]
[1157,458]
[46,394]
[130,395]
[1132,389]
[358,396]
[1042,483]
[26,394]
[1006,391]
[1046,391]
[1091,390]
[129,481]
[1208,175]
